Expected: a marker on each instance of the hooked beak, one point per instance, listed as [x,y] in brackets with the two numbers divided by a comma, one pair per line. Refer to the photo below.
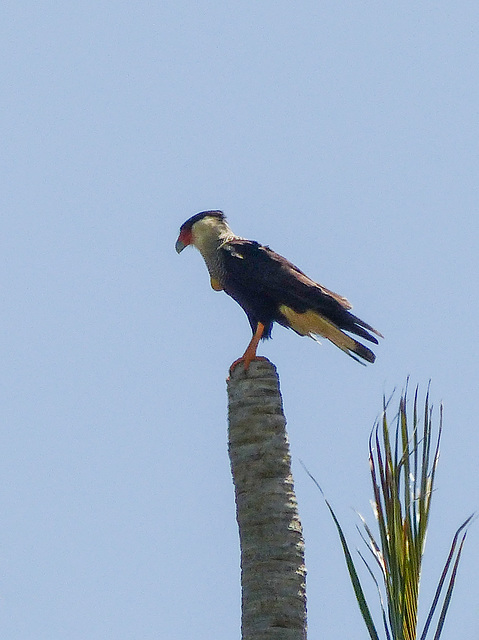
[179,246]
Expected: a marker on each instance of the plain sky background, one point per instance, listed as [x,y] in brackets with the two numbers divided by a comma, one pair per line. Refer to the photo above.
[342,134]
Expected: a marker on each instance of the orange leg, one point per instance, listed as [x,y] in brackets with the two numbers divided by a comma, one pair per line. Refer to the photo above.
[250,354]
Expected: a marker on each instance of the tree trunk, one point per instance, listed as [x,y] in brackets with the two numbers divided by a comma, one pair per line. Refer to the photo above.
[272,546]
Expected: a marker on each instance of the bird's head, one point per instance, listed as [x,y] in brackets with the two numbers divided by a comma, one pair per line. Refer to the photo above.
[202,228]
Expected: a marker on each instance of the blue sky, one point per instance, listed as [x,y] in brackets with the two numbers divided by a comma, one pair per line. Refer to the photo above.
[342,134]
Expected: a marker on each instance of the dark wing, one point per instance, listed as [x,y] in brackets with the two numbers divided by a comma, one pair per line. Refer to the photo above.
[262,281]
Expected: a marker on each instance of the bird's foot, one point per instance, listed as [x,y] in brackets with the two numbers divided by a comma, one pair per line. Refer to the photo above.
[246,362]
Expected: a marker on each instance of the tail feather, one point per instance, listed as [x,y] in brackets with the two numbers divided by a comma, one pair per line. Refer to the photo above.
[311,323]
[363,352]
[360,328]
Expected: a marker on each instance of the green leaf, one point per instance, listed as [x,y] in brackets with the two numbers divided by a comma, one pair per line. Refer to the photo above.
[363,606]
[403,468]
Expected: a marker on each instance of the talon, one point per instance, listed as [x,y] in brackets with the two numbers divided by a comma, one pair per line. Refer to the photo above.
[246,362]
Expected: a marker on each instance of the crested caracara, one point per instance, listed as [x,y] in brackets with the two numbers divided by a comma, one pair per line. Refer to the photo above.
[272,289]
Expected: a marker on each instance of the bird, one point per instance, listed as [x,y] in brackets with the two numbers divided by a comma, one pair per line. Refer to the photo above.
[272,289]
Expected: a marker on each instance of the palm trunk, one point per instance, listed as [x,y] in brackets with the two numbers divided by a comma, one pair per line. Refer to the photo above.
[272,546]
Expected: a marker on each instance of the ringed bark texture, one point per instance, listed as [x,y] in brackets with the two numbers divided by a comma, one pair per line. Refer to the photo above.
[273,573]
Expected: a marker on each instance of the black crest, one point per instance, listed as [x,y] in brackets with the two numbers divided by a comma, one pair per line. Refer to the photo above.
[199,216]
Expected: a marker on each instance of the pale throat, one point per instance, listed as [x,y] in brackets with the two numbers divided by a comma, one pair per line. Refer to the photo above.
[208,236]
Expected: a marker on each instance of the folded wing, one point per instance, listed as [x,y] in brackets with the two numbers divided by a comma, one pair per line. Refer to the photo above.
[272,289]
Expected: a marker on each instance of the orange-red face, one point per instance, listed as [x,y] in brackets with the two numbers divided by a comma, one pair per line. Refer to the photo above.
[186,230]
[184,239]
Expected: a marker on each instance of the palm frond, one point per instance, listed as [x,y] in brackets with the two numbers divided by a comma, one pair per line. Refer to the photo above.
[360,597]
[403,467]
